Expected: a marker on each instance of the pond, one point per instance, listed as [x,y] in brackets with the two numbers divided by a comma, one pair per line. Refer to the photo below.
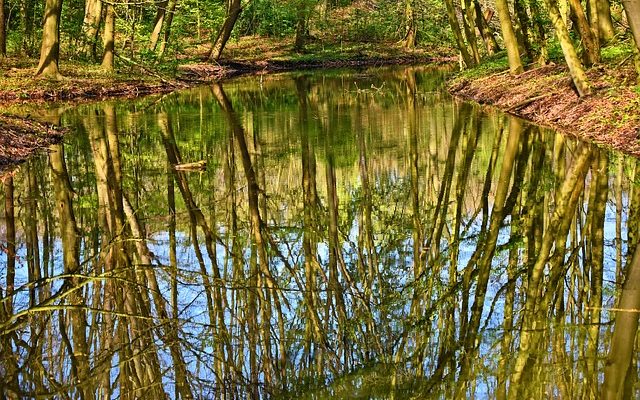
[339,234]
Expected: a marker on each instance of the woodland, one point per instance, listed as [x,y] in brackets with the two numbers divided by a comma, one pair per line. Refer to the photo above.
[195,224]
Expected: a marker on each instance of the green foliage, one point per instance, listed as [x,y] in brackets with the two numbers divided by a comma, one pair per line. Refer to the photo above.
[268,18]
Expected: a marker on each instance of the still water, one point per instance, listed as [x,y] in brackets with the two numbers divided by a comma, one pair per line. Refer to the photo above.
[352,235]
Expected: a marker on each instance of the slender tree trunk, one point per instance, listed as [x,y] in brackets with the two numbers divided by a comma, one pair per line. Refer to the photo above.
[167,26]
[524,24]
[109,39]
[26,11]
[50,49]
[470,29]
[576,69]
[485,29]
[157,24]
[3,30]
[302,28]
[589,40]
[410,25]
[225,31]
[509,36]
[457,33]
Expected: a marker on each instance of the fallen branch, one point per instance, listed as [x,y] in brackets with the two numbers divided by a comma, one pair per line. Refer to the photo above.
[528,101]
[194,166]
[147,70]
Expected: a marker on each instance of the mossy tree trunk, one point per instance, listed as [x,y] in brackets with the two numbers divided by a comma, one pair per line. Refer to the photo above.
[50,49]
[509,36]
[457,33]
[411,30]
[576,69]
[485,30]
[171,11]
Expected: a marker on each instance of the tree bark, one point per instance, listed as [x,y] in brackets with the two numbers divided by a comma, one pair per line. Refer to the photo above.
[410,22]
[50,49]
[225,31]
[455,27]
[605,23]
[157,24]
[3,30]
[91,25]
[171,10]
[576,69]
[632,9]
[589,40]
[109,39]
[509,36]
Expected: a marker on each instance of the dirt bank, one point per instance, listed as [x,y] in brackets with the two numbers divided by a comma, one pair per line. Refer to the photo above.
[545,95]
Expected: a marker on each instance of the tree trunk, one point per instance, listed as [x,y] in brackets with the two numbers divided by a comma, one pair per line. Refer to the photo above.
[225,31]
[410,22]
[50,49]
[469,28]
[26,10]
[171,9]
[455,27]
[589,40]
[485,29]
[157,24]
[109,39]
[605,24]
[302,28]
[3,31]
[91,25]
[632,9]
[576,70]
[509,36]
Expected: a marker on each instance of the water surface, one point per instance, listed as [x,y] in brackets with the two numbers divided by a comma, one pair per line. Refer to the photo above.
[353,235]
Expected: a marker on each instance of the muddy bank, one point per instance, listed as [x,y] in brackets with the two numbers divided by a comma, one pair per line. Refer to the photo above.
[545,95]
[21,137]
[88,90]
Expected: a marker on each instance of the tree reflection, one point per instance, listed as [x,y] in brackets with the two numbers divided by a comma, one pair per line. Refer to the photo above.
[342,242]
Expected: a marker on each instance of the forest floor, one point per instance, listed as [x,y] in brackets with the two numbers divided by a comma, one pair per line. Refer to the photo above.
[545,95]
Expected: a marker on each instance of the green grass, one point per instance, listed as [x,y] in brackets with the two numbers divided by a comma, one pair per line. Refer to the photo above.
[489,65]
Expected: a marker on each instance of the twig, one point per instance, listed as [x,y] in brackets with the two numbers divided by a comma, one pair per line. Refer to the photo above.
[623,62]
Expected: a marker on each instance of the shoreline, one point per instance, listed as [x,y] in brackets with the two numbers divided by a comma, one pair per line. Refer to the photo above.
[610,117]
[543,95]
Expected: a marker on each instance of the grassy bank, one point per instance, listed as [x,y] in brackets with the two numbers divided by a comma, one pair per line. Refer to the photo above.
[546,96]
